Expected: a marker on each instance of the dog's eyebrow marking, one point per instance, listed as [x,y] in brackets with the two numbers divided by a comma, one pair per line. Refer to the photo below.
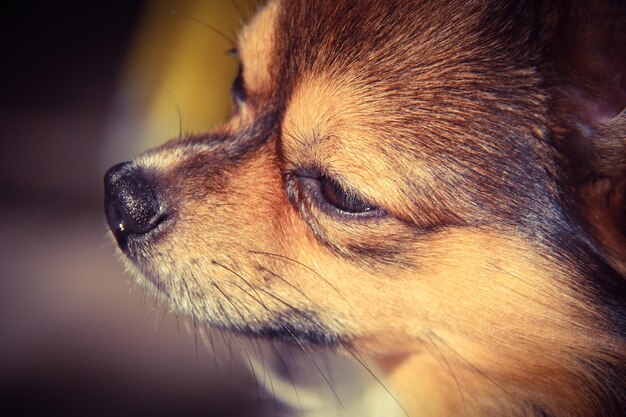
[320,113]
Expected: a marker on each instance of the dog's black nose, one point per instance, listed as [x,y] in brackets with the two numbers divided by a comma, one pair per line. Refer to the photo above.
[130,204]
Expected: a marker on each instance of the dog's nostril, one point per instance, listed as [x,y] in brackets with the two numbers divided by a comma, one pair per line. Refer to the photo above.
[130,203]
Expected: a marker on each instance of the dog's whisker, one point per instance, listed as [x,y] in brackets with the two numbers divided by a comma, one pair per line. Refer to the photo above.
[261,356]
[445,364]
[471,365]
[193,317]
[195,313]
[238,9]
[195,336]
[286,369]
[230,301]
[172,97]
[285,328]
[361,362]
[265,269]
[200,22]
[308,354]
[296,310]
[209,330]
[243,279]
[266,372]
[287,258]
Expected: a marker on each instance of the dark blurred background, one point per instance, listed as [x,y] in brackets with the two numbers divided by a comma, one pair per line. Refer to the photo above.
[86,85]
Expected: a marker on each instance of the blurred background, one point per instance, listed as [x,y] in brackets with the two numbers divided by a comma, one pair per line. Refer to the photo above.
[86,85]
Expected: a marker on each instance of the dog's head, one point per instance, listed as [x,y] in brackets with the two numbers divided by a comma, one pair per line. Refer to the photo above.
[401,177]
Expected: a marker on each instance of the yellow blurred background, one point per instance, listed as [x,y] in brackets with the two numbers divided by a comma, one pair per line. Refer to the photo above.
[86,85]
[180,69]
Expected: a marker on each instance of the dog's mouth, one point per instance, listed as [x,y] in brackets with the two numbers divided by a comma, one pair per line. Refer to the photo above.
[290,329]
[215,283]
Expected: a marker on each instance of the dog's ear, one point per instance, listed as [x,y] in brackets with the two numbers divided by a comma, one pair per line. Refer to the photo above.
[588,57]
[587,74]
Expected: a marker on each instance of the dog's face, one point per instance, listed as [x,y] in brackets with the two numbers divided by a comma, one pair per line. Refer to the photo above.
[387,182]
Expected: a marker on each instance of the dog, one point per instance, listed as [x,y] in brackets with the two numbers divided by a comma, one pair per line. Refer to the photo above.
[433,188]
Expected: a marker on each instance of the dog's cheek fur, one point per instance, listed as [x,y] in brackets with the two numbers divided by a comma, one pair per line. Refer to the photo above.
[488,332]
[243,257]
[239,254]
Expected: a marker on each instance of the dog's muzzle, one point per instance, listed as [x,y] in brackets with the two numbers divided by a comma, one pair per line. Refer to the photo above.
[131,206]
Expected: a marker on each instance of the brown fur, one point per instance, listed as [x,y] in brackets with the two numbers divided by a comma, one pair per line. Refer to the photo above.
[487,285]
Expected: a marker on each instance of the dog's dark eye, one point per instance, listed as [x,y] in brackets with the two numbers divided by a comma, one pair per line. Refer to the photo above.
[342,199]
[328,195]
[237,90]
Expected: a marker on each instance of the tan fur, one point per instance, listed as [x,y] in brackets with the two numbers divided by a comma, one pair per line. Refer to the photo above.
[464,318]
[256,44]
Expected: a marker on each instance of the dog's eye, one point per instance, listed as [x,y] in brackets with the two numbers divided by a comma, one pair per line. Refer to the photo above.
[329,196]
[237,90]
[342,199]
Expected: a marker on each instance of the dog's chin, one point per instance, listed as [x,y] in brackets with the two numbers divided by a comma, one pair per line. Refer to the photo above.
[149,282]
[136,252]
[300,328]
[290,331]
